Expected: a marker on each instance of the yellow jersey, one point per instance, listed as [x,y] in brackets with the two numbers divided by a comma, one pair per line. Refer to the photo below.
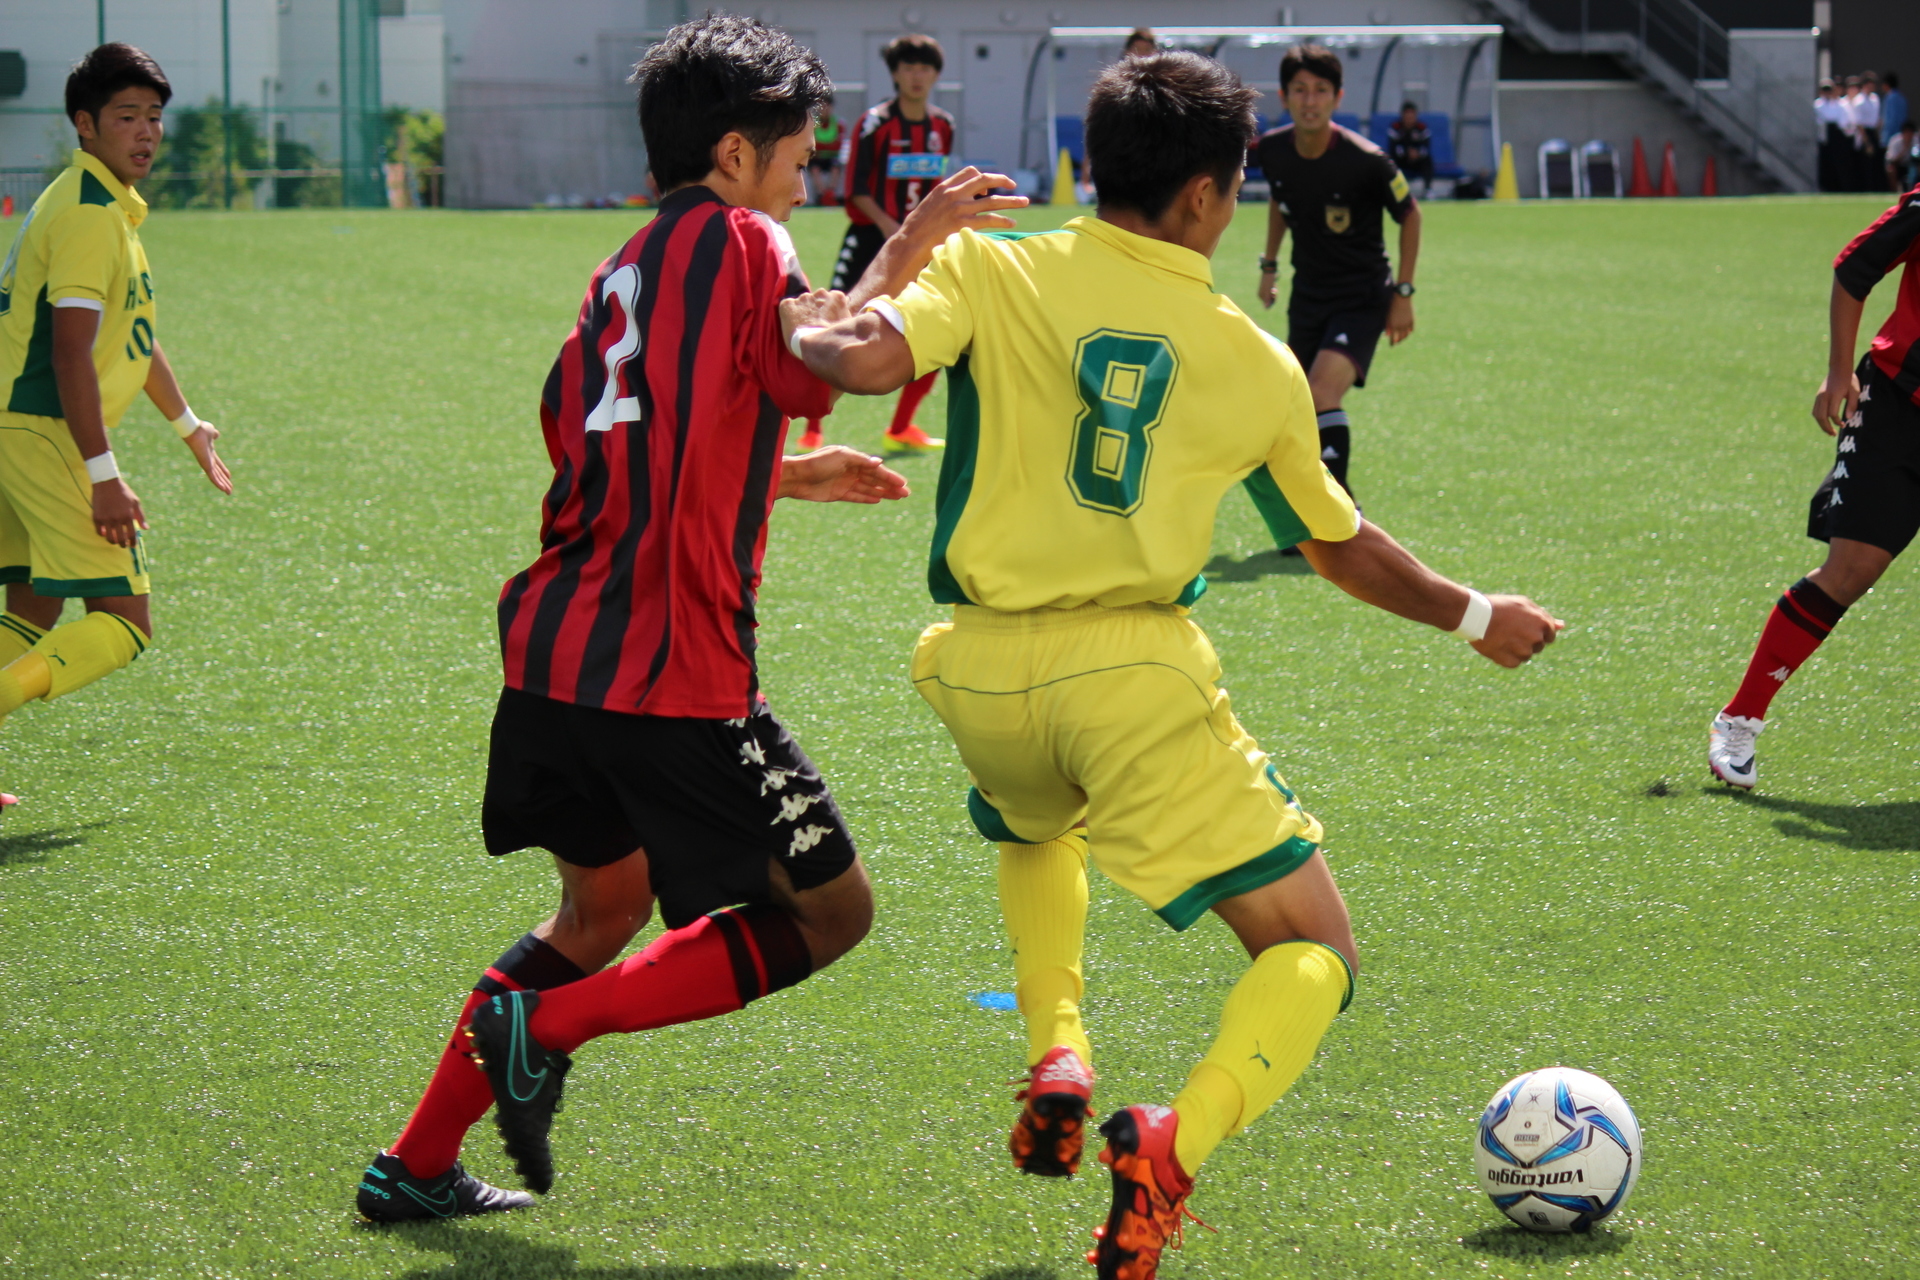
[79,247]
[1102,400]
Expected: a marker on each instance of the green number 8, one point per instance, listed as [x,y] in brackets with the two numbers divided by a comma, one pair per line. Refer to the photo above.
[1124,380]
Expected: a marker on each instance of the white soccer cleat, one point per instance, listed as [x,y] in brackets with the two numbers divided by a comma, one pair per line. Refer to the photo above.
[1730,749]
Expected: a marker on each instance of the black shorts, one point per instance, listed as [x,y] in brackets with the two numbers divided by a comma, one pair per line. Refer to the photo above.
[857,252]
[1351,325]
[711,801]
[1872,495]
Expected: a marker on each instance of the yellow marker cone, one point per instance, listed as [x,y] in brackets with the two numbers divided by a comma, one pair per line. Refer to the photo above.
[1506,186]
[1063,192]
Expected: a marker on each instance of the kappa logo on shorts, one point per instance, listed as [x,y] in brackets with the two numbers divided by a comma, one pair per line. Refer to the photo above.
[807,837]
[776,779]
[1847,445]
[792,807]
[1839,471]
[1866,393]
[752,753]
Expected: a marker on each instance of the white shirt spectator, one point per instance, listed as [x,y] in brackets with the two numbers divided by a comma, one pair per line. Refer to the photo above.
[1832,111]
[1866,111]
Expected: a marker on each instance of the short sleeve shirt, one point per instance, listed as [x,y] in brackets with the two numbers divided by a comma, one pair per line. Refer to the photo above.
[1102,399]
[897,161]
[79,247]
[1334,204]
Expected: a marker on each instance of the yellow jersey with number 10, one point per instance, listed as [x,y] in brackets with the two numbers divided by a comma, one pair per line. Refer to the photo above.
[1103,399]
[79,247]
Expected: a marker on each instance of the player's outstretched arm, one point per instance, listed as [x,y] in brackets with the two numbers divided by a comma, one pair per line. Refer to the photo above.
[195,432]
[1372,567]
[1839,393]
[863,354]
[967,200]
[839,474]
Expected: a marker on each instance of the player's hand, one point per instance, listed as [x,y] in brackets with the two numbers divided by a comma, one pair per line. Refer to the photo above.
[201,442]
[964,200]
[117,516]
[1399,321]
[1269,288]
[1518,630]
[1837,399]
[839,474]
[821,307]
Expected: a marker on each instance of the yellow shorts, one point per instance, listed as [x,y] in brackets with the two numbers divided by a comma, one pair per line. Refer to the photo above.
[1114,717]
[47,536]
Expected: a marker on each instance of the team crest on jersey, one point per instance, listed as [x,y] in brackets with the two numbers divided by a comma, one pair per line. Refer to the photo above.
[1339,218]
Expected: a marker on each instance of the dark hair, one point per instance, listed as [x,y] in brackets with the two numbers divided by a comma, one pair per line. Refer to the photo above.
[1139,34]
[1410,106]
[1316,58]
[914,47]
[718,75]
[106,71]
[1891,79]
[1154,123]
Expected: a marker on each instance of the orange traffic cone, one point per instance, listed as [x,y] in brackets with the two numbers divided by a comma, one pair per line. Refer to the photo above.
[1710,181]
[1641,185]
[6,207]
[1669,181]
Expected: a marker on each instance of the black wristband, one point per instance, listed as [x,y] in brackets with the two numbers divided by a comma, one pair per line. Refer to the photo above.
[1269,264]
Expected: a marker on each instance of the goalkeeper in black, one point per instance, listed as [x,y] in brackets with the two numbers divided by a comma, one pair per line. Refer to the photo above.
[1331,186]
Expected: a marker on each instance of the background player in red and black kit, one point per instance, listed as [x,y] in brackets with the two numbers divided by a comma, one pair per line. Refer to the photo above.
[1868,508]
[1330,186]
[632,741]
[900,153]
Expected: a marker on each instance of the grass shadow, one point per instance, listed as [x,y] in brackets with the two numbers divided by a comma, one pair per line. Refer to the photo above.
[494,1255]
[1872,828]
[1519,1243]
[31,848]
[1261,564]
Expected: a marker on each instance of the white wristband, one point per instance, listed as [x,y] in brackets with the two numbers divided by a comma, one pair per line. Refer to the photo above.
[1473,624]
[101,467]
[793,343]
[187,423]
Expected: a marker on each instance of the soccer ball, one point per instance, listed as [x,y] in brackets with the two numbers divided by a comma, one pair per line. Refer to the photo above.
[1558,1149]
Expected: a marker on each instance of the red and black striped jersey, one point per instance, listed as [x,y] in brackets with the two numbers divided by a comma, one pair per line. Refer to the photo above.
[1893,238]
[665,417]
[897,160]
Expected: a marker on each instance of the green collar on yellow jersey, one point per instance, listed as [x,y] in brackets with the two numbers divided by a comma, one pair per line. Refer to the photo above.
[110,189]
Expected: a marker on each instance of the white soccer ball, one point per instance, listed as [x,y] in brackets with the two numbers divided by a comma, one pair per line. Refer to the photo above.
[1558,1149]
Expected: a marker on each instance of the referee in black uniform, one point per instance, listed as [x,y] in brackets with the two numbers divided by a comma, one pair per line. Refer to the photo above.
[1330,185]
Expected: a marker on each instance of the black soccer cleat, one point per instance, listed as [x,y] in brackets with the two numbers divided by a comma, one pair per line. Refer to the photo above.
[388,1193]
[526,1078]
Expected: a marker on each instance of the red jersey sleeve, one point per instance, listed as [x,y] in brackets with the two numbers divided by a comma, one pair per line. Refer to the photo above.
[868,170]
[771,271]
[1890,240]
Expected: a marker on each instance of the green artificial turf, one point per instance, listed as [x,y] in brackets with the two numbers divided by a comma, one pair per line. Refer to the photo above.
[245,894]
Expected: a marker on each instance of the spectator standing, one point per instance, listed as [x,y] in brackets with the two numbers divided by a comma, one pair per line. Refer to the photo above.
[1903,158]
[1894,110]
[1836,147]
[1866,118]
[1410,144]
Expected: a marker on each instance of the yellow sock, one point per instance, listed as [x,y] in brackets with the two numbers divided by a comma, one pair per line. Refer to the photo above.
[17,635]
[17,638]
[76,655]
[1043,899]
[1269,1031]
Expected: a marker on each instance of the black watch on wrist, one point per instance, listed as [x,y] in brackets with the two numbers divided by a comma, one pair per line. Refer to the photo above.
[1404,288]
[1269,266]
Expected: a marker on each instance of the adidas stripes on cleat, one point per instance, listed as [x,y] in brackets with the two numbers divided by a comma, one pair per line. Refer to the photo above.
[1150,1192]
[388,1193]
[1052,1128]
[526,1078]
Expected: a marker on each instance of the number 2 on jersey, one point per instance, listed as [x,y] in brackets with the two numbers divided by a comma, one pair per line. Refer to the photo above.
[1124,380]
[622,293]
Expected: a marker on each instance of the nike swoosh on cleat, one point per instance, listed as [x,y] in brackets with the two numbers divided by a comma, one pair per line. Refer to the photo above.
[517,1063]
[445,1204]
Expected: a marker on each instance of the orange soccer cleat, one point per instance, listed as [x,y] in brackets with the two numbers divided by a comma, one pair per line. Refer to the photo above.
[1150,1192]
[911,440]
[1052,1128]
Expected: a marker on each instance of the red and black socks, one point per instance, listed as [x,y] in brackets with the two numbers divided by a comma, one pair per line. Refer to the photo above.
[1802,617]
[458,1095]
[713,966]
